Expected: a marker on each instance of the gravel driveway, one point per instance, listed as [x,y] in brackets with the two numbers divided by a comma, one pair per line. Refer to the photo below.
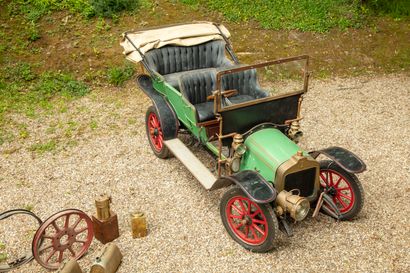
[370,116]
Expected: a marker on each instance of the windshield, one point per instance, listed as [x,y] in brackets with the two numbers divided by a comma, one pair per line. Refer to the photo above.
[257,83]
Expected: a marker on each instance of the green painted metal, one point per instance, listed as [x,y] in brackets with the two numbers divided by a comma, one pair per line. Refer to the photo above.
[267,149]
[185,111]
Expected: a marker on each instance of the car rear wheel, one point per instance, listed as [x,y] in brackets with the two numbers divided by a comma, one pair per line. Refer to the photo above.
[344,188]
[155,134]
[252,225]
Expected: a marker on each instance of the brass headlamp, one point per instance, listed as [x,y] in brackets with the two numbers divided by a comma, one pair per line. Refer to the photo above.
[297,206]
[239,150]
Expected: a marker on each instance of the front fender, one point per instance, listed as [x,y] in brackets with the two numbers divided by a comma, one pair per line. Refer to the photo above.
[167,116]
[347,160]
[253,185]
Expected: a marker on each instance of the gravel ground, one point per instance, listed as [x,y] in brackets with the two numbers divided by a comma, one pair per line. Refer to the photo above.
[370,116]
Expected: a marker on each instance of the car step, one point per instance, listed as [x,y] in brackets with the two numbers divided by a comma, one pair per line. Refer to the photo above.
[191,162]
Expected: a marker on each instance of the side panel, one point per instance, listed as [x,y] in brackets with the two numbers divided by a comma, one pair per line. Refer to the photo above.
[244,118]
[184,110]
[267,149]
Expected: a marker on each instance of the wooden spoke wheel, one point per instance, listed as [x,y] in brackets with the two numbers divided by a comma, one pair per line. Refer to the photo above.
[344,188]
[66,234]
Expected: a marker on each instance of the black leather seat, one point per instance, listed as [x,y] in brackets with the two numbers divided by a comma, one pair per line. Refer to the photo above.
[172,61]
[195,87]
[246,83]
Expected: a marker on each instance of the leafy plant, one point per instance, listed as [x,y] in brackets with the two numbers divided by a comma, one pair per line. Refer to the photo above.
[109,8]
[118,75]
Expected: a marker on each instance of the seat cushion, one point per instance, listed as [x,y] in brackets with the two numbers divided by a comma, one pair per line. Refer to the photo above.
[173,78]
[205,111]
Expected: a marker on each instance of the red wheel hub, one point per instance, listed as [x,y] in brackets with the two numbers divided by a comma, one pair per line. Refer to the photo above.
[247,220]
[339,188]
[66,234]
[155,132]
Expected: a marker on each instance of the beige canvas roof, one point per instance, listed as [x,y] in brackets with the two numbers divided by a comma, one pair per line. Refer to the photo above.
[183,35]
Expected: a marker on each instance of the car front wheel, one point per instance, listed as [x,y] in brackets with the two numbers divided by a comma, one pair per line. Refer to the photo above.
[344,188]
[252,225]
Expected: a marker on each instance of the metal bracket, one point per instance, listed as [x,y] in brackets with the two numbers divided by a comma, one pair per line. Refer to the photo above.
[285,227]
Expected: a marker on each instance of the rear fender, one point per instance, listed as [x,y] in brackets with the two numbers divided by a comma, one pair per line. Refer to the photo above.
[167,116]
[347,160]
[253,185]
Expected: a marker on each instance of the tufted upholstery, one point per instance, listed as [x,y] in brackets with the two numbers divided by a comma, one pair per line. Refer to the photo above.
[170,61]
[196,87]
[246,83]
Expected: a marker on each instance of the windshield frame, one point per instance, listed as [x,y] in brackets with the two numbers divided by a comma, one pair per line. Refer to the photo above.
[218,105]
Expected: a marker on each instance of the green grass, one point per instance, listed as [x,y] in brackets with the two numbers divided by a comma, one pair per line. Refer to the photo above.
[118,75]
[304,15]
[44,147]
[23,91]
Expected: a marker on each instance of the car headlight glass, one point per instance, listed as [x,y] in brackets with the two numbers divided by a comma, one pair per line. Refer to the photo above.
[235,164]
[301,210]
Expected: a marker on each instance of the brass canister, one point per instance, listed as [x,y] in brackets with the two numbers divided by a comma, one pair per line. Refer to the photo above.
[108,260]
[138,225]
[70,266]
[102,203]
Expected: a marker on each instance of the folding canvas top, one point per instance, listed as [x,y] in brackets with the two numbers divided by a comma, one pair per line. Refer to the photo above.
[182,35]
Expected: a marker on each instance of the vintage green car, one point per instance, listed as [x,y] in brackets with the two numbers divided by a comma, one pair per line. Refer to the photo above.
[247,117]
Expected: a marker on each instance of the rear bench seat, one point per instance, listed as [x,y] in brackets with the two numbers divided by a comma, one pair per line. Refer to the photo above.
[173,61]
[196,86]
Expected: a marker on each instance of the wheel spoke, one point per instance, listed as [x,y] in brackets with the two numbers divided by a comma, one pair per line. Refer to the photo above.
[77,222]
[235,216]
[67,220]
[324,179]
[255,213]
[258,229]
[343,189]
[249,206]
[81,230]
[56,227]
[253,232]
[338,181]
[341,202]
[246,231]
[72,251]
[345,196]
[51,255]
[259,221]
[330,179]
[60,256]
[44,248]
[242,206]
[239,226]
[237,209]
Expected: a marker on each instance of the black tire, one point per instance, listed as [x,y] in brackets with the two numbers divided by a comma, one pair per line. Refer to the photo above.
[156,139]
[266,215]
[355,189]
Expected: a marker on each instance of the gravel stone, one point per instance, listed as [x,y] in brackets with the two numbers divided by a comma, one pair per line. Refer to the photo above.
[369,116]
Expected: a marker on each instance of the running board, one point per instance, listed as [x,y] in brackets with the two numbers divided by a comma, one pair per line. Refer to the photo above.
[191,162]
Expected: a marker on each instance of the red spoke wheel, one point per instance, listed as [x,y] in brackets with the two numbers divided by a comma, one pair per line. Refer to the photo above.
[252,225]
[344,188]
[66,234]
[155,134]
